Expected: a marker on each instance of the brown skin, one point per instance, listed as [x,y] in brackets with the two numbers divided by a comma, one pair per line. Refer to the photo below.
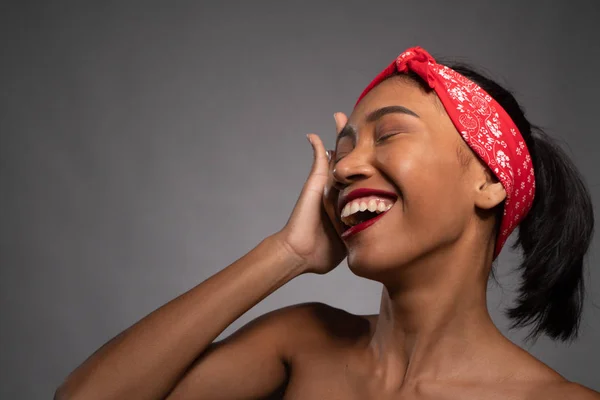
[433,337]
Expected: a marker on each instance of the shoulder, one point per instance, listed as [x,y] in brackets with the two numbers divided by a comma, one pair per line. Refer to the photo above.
[305,325]
[548,384]
[566,390]
[305,322]
[319,319]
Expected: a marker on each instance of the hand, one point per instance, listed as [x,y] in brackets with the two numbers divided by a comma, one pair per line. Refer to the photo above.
[312,232]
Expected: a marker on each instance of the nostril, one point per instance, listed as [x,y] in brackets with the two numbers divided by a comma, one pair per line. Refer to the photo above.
[355,177]
[346,179]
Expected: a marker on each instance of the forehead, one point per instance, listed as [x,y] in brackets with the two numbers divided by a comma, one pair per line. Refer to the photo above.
[399,91]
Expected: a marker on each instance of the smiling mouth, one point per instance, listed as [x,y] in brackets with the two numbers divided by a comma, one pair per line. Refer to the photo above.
[360,213]
[349,231]
[362,209]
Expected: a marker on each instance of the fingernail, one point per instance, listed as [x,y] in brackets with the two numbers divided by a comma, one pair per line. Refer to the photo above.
[328,153]
[335,117]
[308,137]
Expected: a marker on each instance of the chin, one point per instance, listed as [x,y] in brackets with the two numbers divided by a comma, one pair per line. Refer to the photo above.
[376,261]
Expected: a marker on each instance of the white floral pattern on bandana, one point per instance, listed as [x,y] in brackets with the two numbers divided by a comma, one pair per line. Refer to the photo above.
[484,125]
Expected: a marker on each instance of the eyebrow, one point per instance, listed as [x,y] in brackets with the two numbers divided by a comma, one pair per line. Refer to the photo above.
[350,130]
[380,112]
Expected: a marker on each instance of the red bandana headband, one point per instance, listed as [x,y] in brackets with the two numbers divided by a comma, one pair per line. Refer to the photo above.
[483,124]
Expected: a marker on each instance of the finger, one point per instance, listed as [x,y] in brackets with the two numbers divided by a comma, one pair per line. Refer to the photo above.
[340,121]
[321,162]
[330,156]
[330,186]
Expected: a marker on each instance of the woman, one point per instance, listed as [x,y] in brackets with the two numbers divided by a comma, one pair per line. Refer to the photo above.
[432,171]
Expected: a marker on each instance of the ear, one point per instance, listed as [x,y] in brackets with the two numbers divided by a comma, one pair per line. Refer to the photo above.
[489,191]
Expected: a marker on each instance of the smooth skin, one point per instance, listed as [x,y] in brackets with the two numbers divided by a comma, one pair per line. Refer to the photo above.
[433,337]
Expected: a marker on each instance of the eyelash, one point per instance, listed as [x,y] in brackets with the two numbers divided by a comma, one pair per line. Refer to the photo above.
[386,136]
[378,140]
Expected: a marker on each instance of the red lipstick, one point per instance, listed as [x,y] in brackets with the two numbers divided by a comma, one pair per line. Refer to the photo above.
[363,192]
[358,193]
[360,227]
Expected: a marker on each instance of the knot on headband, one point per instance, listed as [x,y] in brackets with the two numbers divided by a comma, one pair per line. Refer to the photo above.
[418,60]
[484,125]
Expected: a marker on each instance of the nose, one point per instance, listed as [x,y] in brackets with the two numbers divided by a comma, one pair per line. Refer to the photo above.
[355,166]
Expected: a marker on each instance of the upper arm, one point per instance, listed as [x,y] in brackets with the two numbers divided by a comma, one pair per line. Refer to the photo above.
[251,363]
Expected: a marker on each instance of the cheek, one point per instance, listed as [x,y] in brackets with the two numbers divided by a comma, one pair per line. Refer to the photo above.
[421,173]
[433,190]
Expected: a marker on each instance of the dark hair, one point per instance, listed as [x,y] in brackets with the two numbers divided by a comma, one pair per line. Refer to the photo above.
[556,233]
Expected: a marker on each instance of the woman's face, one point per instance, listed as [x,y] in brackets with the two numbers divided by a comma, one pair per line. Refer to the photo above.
[400,140]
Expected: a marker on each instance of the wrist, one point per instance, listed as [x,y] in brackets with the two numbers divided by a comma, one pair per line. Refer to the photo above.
[285,253]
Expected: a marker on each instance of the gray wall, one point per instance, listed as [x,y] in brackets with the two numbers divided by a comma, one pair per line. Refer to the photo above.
[146,146]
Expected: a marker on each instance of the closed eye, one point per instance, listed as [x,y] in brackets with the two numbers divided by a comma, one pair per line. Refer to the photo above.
[387,136]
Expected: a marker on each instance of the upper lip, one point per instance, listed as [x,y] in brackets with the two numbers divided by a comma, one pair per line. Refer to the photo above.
[363,192]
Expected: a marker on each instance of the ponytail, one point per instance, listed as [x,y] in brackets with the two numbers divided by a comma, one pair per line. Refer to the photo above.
[554,236]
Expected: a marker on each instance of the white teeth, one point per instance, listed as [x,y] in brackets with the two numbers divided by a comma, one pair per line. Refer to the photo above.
[372,205]
[346,210]
[363,206]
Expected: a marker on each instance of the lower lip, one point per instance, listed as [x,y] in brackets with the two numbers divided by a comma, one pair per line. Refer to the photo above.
[361,227]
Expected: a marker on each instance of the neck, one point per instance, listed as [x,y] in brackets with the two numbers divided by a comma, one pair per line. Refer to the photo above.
[434,328]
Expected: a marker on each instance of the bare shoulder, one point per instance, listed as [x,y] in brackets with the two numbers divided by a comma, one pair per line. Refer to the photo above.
[314,323]
[566,390]
[551,384]
[300,327]
[322,320]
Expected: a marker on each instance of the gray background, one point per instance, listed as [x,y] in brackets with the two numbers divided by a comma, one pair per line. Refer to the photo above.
[146,146]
